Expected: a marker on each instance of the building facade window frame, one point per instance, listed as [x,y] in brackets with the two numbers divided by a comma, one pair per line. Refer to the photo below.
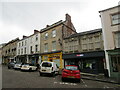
[54,33]
[115,18]
[36,48]
[53,45]
[46,36]
[46,47]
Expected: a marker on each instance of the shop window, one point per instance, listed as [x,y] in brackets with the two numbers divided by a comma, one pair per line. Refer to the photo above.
[89,64]
[115,63]
[46,58]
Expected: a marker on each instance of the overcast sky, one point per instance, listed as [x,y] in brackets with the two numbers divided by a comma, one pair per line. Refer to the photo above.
[21,17]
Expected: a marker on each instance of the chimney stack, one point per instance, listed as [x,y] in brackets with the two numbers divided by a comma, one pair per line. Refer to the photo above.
[47,26]
[24,36]
[68,17]
[36,31]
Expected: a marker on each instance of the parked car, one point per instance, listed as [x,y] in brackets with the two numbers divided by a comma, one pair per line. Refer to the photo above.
[47,67]
[71,72]
[18,65]
[28,67]
[11,65]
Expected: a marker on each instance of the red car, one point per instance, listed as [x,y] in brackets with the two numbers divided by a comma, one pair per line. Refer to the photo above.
[72,72]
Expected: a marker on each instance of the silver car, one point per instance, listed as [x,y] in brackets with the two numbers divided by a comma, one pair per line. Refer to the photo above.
[18,65]
[28,67]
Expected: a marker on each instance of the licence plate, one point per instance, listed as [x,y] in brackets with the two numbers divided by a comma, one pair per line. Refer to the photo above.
[43,70]
[71,77]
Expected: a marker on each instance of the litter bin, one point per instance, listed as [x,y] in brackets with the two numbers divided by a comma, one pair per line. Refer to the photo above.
[106,73]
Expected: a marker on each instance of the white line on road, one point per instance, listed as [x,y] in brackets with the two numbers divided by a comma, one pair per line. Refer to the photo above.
[84,83]
[64,83]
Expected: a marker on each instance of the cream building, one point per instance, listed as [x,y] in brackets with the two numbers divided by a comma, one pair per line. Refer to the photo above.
[28,48]
[110,19]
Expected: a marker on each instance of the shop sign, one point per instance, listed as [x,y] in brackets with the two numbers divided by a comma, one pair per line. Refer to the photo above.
[80,55]
[54,56]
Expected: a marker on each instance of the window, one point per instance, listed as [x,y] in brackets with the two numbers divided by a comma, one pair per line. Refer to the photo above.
[46,36]
[46,47]
[117,39]
[54,33]
[97,38]
[18,51]
[36,48]
[84,46]
[90,39]
[22,43]
[22,51]
[54,46]
[25,42]
[116,19]
[19,44]
[115,59]
[36,37]
[25,50]
[97,45]
[45,58]
[91,46]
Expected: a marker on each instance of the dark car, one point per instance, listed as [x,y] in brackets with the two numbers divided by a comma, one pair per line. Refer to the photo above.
[11,65]
[71,72]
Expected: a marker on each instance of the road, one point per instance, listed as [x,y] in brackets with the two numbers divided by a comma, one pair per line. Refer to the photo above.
[17,79]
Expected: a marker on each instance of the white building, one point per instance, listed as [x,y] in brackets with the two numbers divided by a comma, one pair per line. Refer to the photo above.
[110,19]
[28,48]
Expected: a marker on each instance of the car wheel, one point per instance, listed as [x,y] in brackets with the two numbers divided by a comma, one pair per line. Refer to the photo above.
[53,74]
[63,79]
[8,67]
[78,80]
[30,69]
[40,74]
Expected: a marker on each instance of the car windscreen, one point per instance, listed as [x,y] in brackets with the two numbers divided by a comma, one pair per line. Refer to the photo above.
[46,64]
[71,68]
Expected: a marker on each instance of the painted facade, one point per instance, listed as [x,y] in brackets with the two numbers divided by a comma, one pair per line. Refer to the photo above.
[85,50]
[110,19]
[28,48]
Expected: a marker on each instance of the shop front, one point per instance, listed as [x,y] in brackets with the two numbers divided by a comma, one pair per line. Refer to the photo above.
[33,59]
[114,58]
[21,58]
[53,57]
[88,62]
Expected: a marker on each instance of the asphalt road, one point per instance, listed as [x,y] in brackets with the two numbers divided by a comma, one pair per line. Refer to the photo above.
[17,79]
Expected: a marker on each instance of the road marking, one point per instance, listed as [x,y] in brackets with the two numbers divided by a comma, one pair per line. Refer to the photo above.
[64,83]
[84,83]
[106,86]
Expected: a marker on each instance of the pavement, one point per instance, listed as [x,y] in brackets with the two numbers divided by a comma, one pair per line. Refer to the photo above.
[97,77]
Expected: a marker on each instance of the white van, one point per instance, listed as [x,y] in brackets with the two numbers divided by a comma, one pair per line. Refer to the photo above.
[47,67]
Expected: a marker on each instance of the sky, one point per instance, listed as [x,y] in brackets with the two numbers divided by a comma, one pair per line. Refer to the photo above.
[21,17]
